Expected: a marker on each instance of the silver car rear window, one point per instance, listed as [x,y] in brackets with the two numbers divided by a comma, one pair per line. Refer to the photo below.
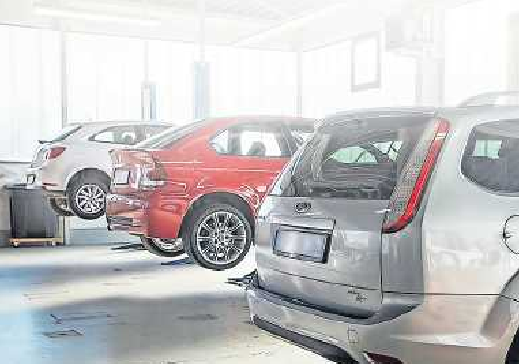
[359,159]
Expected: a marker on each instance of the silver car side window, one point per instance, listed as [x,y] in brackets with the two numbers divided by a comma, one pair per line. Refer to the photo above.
[491,157]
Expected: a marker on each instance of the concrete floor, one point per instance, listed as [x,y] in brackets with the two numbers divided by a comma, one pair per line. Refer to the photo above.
[126,307]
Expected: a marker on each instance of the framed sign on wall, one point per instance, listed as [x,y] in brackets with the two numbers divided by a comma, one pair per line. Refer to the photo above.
[365,62]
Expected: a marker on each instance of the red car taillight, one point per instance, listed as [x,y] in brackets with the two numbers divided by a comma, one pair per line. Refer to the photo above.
[137,169]
[151,175]
[55,152]
[405,200]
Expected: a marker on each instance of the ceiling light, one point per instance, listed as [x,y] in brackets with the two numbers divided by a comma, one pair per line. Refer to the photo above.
[94,16]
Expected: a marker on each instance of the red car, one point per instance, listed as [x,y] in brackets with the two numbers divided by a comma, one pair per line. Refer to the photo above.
[198,188]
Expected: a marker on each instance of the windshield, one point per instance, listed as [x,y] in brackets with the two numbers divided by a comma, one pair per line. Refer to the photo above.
[170,136]
[62,134]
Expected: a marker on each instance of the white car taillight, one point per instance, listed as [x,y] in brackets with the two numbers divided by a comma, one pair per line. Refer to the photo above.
[54,152]
[406,198]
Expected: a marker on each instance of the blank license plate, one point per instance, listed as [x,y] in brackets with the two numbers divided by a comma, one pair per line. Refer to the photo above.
[121,177]
[296,244]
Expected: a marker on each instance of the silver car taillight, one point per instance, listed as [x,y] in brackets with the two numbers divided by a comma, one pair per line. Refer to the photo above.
[406,198]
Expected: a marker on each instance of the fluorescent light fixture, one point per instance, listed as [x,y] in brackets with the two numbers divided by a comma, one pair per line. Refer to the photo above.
[90,15]
[290,24]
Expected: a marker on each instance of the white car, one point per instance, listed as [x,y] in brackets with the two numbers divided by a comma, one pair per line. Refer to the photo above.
[74,168]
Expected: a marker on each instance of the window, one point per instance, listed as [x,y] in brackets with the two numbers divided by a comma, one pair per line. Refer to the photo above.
[487,148]
[353,155]
[251,141]
[256,143]
[105,75]
[30,107]
[171,70]
[125,135]
[148,131]
[220,143]
[491,158]
[367,154]
[357,160]
[365,62]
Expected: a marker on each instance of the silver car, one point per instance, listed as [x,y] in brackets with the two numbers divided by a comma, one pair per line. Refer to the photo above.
[393,237]
[74,167]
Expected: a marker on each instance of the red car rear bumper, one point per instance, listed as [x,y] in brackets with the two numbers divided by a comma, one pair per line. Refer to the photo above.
[154,215]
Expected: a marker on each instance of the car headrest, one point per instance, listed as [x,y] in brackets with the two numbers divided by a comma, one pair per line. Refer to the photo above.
[257,149]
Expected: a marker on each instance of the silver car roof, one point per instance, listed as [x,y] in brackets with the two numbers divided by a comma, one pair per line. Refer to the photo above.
[457,116]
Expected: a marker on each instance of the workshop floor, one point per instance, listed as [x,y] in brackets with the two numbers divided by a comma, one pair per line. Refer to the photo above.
[95,305]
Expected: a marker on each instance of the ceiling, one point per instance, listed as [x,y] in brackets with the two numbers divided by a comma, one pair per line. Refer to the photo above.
[254,10]
[287,25]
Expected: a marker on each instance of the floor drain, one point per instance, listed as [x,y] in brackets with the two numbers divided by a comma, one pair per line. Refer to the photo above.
[62,333]
[201,317]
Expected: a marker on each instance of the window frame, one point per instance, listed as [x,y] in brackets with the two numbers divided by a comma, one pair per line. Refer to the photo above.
[376,83]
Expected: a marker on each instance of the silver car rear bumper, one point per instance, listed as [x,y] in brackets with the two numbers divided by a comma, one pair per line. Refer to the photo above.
[444,329]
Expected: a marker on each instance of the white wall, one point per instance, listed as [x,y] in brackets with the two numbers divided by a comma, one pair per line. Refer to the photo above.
[245,82]
[327,82]
[477,48]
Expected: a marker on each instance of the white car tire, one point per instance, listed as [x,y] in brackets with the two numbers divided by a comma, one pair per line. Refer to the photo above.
[87,196]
